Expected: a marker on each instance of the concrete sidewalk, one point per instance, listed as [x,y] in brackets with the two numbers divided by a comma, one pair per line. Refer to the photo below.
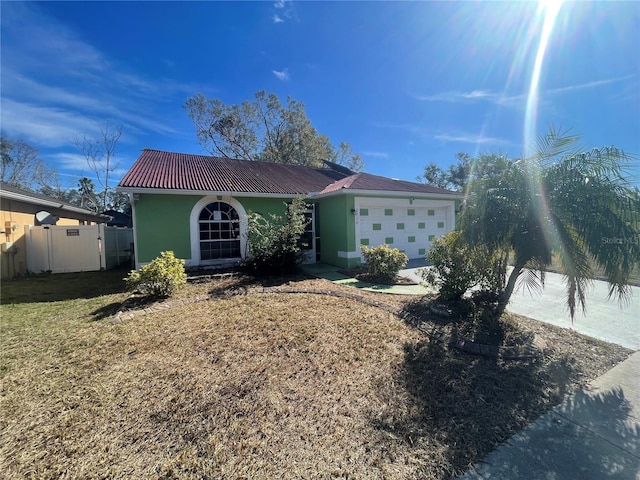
[594,435]
[332,273]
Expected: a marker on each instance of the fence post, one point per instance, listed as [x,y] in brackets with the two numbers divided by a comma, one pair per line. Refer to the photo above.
[101,247]
[28,248]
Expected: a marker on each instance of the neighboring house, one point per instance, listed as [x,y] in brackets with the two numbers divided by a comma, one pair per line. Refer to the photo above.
[118,219]
[20,208]
[197,206]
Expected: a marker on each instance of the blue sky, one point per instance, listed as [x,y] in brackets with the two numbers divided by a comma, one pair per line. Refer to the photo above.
[405,83]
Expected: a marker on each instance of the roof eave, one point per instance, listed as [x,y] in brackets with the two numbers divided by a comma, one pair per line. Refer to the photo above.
[165,191]
[388,193]
[52,203]
[342,191]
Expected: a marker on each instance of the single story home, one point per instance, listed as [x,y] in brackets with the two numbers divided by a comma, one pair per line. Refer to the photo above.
[197,206]
[21,208]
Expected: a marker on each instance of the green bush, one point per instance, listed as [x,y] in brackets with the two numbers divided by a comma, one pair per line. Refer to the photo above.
[159,278]
[458,267]
[383,262]
[275,243]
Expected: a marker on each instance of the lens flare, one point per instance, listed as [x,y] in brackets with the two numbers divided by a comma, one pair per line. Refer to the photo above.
[550,11]
[538,199]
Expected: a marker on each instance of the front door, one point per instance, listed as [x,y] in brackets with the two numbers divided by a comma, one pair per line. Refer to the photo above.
[309,237]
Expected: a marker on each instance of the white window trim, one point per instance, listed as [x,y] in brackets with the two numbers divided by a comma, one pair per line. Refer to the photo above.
[194,226]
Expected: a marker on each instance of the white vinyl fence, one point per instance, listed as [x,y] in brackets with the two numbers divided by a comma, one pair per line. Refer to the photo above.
[118,246]
[77,248]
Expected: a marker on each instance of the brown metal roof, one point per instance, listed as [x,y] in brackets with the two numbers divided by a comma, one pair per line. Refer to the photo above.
[156,169]
[179,171]
[366,181]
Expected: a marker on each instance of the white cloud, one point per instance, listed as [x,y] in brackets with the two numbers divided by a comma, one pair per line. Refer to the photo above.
[456,96]
[470,138]
[71,161]
[42,41]
[281,75]
[375,154]
[285,11]
[77,165]
[473,95]
[593,84]
[41,125]
[511,100]
[56,86]
[67,110]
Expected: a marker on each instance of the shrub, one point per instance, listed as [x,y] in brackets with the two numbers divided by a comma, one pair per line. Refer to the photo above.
[458,267]
[275,243]
[383,262]
[159,278]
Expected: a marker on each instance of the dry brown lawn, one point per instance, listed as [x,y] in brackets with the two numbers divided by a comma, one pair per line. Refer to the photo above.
[257,386]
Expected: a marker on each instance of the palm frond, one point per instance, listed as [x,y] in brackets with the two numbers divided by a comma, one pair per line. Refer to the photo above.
[576,286]
[605,219]
[531,279]
[574,263]
[554,144]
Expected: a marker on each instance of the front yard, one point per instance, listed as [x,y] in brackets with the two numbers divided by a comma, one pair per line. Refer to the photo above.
[258,385]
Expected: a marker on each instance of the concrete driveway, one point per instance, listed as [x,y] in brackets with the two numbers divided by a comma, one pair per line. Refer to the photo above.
[604,318]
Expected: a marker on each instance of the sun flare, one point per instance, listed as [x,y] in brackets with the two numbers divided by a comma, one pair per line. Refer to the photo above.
[549,9]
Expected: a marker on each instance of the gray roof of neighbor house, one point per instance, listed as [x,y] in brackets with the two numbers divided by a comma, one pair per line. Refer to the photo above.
[158,170]
[54,205]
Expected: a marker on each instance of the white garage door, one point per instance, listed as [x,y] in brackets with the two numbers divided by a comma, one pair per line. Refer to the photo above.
[410,229]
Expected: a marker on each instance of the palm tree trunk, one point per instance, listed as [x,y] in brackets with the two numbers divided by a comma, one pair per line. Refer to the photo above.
[505,296]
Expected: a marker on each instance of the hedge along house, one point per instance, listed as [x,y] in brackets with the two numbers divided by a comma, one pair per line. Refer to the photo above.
[197,206]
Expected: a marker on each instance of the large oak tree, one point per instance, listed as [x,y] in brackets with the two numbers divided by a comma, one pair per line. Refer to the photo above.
[264,129]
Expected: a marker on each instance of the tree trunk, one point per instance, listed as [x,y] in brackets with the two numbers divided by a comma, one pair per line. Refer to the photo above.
[505,296]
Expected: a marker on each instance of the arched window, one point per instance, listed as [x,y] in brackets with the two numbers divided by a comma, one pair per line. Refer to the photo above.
[219,226]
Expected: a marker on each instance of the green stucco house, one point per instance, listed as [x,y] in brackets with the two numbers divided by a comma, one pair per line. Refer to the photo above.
[197,206]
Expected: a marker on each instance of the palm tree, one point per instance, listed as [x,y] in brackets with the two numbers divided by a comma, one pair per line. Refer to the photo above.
[88,196]
[576,205]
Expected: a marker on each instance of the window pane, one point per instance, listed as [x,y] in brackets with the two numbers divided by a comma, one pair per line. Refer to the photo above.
[219,231]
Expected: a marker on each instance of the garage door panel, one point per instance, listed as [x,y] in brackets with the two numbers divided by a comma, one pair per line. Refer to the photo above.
[410,229]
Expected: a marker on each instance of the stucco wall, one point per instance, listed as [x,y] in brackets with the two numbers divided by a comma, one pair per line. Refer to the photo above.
[13,263]
[264,206]
[337,230]
[162,222]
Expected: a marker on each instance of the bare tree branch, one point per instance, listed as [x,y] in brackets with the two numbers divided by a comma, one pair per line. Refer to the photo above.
[100,155]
